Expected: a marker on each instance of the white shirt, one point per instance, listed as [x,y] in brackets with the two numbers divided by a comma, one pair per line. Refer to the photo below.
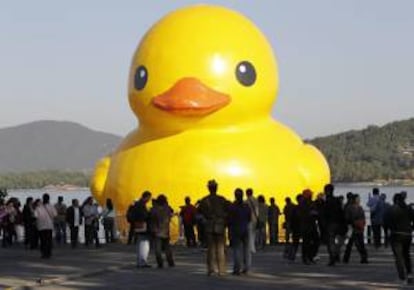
[90,213]
[44,215]
[76,217]
[107,213]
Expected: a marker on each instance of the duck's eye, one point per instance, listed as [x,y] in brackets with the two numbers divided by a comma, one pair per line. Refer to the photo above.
[245,73]
[141,77]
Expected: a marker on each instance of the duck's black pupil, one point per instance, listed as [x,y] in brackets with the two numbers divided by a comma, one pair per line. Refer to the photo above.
[141,77]
[245,73]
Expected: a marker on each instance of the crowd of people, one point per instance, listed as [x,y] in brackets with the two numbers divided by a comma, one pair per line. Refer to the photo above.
[247,223]
[326,220]
[40,220]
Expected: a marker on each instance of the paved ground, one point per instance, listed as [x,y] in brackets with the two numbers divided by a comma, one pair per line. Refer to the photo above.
[112,267]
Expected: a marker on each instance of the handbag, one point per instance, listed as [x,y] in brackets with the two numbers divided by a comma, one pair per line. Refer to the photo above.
[359,225]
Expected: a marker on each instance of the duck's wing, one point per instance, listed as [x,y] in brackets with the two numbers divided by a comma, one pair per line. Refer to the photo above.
[313,167]
[98,179]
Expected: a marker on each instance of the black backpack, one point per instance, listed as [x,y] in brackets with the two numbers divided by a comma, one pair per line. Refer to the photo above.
[130,213]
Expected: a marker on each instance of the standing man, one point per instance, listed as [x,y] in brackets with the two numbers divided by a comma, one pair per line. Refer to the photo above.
[215,208]
[60,221]
[273,221]
[141,221]
[374,205]
[44,214]
[29,223]
[239,218]
[287,212]
[387,207]
[335,224]
[188,215]
[91,215]
[399,219]
[254,208]
[74,219]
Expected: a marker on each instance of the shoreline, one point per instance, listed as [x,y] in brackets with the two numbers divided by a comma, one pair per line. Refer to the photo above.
[71,187]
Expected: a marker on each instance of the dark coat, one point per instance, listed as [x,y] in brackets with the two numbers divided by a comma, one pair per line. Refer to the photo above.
[215,209]
[70,216]
[399,219]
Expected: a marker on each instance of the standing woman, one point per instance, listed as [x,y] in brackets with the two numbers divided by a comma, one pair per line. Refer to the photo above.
[261,223]
[108,215]
[3,223]
[29,222]
[10,222]
[45,213]
[35,241]
[160,218]
[357,220]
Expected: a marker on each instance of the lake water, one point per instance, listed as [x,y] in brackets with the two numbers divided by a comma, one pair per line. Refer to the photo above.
[340,189]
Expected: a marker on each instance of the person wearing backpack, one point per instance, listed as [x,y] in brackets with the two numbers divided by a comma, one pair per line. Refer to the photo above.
[129,218]
[141,219]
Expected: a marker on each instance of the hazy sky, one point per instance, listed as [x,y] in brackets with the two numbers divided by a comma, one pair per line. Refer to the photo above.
[342,64]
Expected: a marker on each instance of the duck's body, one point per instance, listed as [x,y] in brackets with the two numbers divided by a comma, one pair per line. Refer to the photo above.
[266,156]
[204,105]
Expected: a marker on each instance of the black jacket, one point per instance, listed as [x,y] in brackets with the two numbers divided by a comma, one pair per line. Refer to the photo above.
[399,218]
[70,216]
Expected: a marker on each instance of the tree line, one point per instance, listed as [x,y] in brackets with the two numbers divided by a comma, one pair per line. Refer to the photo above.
[374,153]
[40,179]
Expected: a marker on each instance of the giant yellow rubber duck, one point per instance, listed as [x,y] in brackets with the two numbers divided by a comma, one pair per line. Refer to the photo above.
[202,83]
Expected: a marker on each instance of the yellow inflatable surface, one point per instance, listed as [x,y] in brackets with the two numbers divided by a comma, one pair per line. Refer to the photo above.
[202,83]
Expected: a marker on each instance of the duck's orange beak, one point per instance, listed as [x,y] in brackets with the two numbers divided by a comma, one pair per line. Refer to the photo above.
[190,97]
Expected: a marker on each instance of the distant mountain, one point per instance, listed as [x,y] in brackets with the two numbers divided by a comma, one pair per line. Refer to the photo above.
[376,153]
[52,145]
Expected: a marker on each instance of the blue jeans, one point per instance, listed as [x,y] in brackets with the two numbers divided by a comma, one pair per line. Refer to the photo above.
[60,230]
[241,250]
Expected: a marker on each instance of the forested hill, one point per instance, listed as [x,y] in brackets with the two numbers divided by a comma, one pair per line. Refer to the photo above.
[375,153]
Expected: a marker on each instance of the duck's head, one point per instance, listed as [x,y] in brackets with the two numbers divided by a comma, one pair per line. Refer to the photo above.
[202,66]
